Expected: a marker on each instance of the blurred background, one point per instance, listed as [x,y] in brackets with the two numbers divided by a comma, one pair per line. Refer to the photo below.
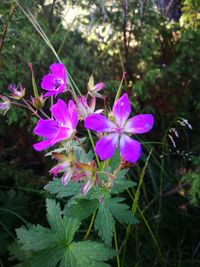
[157,44]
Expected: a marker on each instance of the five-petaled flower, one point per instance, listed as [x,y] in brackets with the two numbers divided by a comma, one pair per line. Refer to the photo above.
[55,82]
[119,130]
[62,126]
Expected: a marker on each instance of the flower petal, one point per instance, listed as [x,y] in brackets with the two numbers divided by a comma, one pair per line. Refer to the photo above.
[106,146]
[139,124]
[50,93]
[130,149]
[99,86]
[63,133]
[122,110]
[46,128]
[59,71]
[67,176]
[60,111]
[73,114]
[99,123]
[42,145]
[48,82]
[87,186]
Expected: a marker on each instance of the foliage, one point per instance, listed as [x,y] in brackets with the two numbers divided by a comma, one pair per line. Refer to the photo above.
[50,246]
[193,178]
[161,58]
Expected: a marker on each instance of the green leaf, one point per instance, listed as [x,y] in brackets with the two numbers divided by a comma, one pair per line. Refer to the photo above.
[57,188]
[104,224]
[48,257]
[35,238]
[87,253]
[81,208]
[55,247]
[114,161]
[121,211]
[65,228]
[120,186]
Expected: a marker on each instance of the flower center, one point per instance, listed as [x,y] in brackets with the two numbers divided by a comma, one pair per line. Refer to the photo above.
[118,130]
[58,82]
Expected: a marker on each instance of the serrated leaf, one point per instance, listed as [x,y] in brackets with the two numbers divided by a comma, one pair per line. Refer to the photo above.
[121,185]
[35,238]
[121,211]
[48,257]
[104,224]
[87,253]
[65,228]
[57,188]
[54,247]
[81,208]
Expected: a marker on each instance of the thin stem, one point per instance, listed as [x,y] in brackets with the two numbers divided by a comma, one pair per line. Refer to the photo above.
[90,226]
[19,105]
[7,230]
[82,147]
[134,205]
[116,248]
[17,215]
[12,10]
[104,172]
[31,109]
[92,142]
[152,235]
[39,29]
[44,114]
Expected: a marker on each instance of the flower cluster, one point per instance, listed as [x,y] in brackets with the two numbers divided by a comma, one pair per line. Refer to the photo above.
[61,124]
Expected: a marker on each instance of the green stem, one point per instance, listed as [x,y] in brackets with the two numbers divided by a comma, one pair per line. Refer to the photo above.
[90,226]
[92,142]
[82,147]
[119,89]
[134,206]
[116,248]
[14,213]
[152,235]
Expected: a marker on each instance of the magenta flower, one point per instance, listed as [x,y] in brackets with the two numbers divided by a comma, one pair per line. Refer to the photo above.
[119,131]
[55,82]
[61,127]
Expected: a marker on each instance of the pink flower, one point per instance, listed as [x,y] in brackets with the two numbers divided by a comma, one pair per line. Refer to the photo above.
[65,165]
[5,104]
[85,109]
[61,127]
[55,82]
[15,93]
[93,89]
[119,131]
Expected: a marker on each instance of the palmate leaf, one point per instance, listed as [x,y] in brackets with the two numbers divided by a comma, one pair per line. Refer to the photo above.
[105,224]
[81,208]
[110,210]
[55,247]
[57,188]
[121,211]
